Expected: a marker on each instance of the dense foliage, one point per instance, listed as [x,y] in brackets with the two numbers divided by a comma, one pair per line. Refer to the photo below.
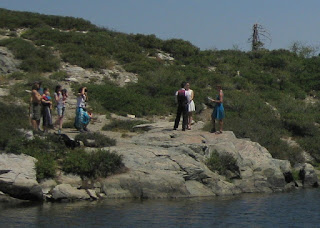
[98,164]
[222,163]
[265,91]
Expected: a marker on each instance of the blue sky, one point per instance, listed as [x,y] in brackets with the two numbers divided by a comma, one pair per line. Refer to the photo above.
[220,24]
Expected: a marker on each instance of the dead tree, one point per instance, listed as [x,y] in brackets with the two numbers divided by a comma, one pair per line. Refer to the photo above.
[259,37]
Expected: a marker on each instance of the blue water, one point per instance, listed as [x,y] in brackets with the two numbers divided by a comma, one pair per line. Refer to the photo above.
[295,209]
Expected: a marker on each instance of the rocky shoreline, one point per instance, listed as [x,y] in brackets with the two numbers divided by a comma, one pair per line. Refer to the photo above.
[162,163]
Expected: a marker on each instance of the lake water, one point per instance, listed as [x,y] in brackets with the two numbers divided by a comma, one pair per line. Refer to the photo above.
[295,209]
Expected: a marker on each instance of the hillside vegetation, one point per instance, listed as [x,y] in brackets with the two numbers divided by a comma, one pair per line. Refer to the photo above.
[265,91]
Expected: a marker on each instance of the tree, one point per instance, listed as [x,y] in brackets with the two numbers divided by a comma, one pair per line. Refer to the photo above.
[303,50]
[258,37]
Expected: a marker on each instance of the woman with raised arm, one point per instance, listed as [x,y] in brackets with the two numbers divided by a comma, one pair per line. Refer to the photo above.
[81,112]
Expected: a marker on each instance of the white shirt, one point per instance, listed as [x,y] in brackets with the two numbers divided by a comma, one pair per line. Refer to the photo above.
[81,101]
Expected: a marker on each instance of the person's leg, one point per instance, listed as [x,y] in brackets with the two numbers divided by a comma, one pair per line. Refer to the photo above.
[178,116]
[34,125]
[61,118]
[184,118]
[221,125]
[189,120]
[213,129]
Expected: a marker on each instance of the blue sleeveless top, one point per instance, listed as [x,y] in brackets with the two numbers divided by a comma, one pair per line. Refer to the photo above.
[218,111]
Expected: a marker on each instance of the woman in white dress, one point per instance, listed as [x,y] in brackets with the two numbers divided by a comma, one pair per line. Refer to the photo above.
[191,105]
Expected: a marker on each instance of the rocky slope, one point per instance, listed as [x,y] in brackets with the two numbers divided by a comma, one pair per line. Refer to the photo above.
[162,163]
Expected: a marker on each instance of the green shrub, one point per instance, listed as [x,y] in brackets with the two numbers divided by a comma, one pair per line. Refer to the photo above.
[295,175]
[95,139]
[34,59]
[59,76]
[222,163]
[138,104]
[12,117]
[17,75]
[45,167]
[120,125]
[96,164]
[46,150]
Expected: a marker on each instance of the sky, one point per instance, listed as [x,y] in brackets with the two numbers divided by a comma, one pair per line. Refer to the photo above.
[207,24]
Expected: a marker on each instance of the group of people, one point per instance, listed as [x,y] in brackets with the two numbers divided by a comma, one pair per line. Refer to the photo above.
[41,105]
[184,99]
[186,106]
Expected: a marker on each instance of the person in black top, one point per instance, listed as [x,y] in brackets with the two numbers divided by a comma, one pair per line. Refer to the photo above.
[182,101]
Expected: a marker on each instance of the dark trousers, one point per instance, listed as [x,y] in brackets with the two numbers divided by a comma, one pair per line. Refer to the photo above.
[182,109]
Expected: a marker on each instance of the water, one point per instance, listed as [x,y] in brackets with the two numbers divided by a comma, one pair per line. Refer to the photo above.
[295,209]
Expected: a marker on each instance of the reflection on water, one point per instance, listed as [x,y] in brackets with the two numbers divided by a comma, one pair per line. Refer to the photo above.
[295,209]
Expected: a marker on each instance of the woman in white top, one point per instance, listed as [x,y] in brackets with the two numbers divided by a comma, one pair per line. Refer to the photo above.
[191,105]
[60,98]
[82,116]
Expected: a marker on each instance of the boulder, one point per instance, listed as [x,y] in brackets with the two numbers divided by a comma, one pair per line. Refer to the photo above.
[18,177]
[73,180]
[67,192]
[47,185]
[308,175]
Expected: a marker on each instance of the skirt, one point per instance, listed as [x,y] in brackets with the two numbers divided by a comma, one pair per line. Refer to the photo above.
[47,117]
[191,107]
[218,112]
[78,123]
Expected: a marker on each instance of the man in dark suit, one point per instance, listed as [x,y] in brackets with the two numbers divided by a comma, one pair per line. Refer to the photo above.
[182,102]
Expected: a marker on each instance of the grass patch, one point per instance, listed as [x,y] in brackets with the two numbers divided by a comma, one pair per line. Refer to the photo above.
[59,76]
[95,139]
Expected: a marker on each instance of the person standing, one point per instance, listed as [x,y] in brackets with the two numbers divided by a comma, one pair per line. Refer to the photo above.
[218,111]
[81,112]
[35,107]
[191,105]
[182,109]
[47,107]
[60,102]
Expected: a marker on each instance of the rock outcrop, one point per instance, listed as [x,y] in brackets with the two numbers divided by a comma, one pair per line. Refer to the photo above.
[8,64]
[18,177]
[165,163]
[67,192]
[116,74]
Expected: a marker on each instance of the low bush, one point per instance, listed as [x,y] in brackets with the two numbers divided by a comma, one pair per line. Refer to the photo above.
[12,117]
[45,166]
[17,75]
[46,150]
[95,139]
[96,164]
[222,163]
[34,59]
[59,76]
[126,103]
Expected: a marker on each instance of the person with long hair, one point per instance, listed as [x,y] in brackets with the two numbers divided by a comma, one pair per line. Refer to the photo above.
[191,105]
[81,121]
[60,102]
[218,111]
